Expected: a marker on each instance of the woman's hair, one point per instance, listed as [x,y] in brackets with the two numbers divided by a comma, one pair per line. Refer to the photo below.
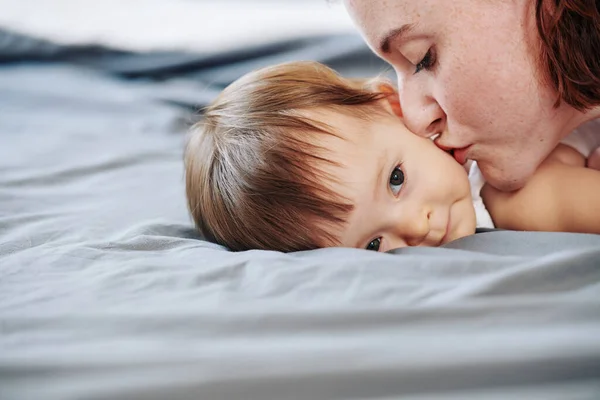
[254,169]
[570,49]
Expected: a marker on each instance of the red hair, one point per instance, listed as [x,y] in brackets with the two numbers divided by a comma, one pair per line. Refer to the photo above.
[570,49]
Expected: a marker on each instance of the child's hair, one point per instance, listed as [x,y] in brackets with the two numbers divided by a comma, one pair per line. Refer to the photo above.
[254,176]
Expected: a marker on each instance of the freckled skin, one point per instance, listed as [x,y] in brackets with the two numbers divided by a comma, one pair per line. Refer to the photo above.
[483,91]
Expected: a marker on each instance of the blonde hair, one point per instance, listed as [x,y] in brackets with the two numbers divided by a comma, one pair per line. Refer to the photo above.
[253,179]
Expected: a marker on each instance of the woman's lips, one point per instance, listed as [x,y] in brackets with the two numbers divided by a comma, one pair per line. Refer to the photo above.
[460,155]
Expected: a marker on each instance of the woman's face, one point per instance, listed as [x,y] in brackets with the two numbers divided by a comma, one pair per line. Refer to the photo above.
[466,69]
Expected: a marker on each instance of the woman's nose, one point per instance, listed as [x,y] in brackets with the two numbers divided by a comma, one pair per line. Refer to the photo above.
[422,114]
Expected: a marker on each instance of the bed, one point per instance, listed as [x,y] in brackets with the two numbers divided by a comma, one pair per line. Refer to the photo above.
[107,291]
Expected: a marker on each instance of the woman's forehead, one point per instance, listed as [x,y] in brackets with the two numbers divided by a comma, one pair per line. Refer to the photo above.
[396,8]
[379,18]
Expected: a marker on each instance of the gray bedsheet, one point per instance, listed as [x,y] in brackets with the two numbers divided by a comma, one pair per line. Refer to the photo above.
[106,292]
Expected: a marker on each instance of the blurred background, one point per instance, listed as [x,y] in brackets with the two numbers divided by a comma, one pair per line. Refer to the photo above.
[192,25]
[96,98]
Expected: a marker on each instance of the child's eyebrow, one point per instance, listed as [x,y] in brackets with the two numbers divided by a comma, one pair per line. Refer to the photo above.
[365,238]
[381,175]
[378,184]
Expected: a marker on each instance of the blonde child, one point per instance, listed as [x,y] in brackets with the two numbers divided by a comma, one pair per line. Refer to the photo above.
[295,157]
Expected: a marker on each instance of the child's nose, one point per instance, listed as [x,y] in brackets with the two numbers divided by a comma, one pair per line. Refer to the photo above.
[413,227]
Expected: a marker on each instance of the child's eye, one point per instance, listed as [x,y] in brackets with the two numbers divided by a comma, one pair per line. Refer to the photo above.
[374,244]
[426,63]
[396,180]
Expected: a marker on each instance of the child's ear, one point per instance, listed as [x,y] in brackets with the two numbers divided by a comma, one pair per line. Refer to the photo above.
[391,98]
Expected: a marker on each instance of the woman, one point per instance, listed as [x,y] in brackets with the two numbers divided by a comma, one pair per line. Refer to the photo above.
[501,81]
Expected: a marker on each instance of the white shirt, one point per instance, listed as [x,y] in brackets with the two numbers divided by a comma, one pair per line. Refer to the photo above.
[584,139]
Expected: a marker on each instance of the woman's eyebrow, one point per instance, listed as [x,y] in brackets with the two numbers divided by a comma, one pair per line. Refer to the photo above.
[384,44]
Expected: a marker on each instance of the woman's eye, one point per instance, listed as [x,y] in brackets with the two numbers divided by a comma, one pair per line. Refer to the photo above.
[396,180]
[426,63]
[374,245]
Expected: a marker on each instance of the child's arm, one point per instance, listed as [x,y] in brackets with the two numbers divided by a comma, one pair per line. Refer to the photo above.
[562,195]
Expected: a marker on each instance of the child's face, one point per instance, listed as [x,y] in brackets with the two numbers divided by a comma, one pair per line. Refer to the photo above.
[406,191]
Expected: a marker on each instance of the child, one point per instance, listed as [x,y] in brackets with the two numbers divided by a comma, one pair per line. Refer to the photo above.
[296,157]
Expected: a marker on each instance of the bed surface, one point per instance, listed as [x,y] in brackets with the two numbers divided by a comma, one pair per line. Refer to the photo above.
[106,292]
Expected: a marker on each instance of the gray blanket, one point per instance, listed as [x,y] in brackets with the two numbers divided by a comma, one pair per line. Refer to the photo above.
[106,292]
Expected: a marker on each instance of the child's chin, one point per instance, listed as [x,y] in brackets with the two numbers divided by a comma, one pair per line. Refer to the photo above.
[459,234]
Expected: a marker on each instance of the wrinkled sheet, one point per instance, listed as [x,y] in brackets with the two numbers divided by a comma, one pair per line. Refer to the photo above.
[106,292]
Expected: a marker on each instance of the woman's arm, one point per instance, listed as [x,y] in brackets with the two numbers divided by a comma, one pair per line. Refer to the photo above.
[562,195]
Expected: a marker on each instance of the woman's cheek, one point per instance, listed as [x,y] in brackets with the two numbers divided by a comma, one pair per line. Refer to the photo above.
[462,98]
